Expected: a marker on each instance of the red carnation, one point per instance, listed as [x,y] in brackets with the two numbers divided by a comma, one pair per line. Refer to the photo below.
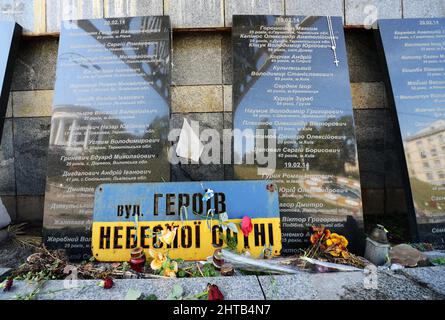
[214,292]
[107,283]
[8,285]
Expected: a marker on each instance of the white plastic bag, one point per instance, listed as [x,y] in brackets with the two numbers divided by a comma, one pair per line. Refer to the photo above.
[5,219]
[189,146]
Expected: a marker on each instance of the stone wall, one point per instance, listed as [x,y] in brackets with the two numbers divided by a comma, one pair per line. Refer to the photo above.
[44,16]
[201,89]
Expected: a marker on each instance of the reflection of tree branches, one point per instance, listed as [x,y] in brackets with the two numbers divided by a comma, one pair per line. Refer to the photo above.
[157,73]
[247,57]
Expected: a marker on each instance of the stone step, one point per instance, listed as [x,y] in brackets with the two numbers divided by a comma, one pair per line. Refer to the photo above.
[417,284]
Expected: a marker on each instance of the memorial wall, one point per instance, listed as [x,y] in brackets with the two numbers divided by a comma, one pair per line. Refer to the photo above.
[202,80]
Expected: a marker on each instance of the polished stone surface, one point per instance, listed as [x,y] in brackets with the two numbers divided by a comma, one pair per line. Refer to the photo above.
[195,14]
[416,70]
[233,7]
[30,14]
[7,174]
[196,59]
[35,67]
[133,8]
[31,137]
[110,118]
[281,85]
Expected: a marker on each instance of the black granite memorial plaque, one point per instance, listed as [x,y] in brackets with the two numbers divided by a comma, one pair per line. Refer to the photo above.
[414,53]
[10,34]
[291,80]
[110,119]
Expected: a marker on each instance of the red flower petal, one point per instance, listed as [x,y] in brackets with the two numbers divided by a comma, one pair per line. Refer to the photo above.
[108,283]
[8,285]
[214,292]
[246,226]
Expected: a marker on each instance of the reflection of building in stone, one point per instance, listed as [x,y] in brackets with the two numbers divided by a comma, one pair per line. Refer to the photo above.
[339,191]
[425,153]
[72,131]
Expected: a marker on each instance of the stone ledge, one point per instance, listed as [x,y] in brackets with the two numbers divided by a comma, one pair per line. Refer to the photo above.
[348,286]
[233,288]
[432,277]
[419,284]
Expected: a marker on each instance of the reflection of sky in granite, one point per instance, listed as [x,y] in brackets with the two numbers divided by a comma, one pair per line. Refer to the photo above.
[64,96]
[23,12]
[410,122]
[6,30]
[333,92]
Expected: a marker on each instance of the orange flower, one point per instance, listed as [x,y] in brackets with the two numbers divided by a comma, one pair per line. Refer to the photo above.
[318,233]
[339,239]
[314,238]
[158,259]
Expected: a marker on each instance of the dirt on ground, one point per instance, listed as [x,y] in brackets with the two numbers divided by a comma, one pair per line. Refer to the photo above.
[13,255]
